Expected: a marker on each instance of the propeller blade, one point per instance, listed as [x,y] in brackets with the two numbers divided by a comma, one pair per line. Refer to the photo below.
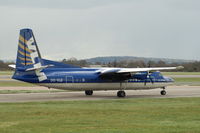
[145,82]
[151,80]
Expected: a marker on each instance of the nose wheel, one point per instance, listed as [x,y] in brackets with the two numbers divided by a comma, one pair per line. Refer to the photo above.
[121,94]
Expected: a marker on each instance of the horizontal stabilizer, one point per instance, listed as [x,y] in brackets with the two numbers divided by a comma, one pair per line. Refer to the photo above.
[38,68]
[12,66]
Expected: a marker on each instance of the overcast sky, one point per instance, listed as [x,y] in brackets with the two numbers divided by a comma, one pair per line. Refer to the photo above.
[90,28]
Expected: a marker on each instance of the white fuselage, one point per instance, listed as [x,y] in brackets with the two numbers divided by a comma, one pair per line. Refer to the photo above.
[106,86]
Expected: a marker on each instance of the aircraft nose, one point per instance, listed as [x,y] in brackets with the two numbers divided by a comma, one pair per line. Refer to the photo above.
[169,79]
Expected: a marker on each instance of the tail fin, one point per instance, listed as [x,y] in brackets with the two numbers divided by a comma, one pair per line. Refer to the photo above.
[28,55]
[29,64]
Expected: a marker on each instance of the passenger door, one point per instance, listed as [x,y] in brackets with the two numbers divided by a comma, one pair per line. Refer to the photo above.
[69,79]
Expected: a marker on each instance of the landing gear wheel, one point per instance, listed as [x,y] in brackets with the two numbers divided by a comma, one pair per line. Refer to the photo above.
[121,94]
[88,92]
[163,92]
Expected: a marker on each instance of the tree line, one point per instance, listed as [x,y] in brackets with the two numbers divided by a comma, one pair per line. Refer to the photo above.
[4,65]
[188,67]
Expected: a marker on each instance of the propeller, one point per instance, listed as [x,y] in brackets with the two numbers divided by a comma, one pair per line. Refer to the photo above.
[148,77]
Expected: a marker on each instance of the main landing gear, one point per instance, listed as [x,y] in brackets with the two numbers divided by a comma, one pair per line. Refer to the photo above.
[89,92]
[163,92]
[121,94]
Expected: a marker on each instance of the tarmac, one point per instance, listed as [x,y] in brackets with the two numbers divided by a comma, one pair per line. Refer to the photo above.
[172,92]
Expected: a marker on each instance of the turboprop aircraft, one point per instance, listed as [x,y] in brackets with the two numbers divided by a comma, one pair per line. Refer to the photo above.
[32,68]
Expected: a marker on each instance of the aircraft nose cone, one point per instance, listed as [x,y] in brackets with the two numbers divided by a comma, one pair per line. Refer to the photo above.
[171,79]
[168,79]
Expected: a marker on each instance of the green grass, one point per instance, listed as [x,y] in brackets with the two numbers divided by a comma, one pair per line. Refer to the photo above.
[6,72]
[190,79]
[187,81]
[175,115]
[15,84]
[28,91]
[181,73]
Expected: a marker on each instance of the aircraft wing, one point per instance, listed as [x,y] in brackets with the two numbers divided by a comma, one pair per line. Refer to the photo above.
[135,70]
[125,73]
[132,70]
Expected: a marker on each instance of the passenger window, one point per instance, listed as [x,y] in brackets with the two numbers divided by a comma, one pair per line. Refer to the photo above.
[83,80]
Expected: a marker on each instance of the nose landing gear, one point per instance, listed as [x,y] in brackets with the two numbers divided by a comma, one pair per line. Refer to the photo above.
[121,92]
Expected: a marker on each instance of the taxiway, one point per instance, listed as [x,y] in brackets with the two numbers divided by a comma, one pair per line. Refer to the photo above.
[172,92]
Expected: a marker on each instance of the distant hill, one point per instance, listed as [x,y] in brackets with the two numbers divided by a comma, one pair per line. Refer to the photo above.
[108,59]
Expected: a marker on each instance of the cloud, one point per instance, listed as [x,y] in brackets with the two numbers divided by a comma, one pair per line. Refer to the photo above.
[65,29]
[61,4]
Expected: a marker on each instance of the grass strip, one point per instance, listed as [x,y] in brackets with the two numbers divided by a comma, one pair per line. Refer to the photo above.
[15,84]
[177,115]
[191,79]
[29,91]
[181,73]
[6,72]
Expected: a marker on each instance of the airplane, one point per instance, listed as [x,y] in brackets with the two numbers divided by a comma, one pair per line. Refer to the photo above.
[32,68]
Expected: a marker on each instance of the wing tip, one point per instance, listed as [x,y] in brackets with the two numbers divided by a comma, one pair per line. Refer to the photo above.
[179,67]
